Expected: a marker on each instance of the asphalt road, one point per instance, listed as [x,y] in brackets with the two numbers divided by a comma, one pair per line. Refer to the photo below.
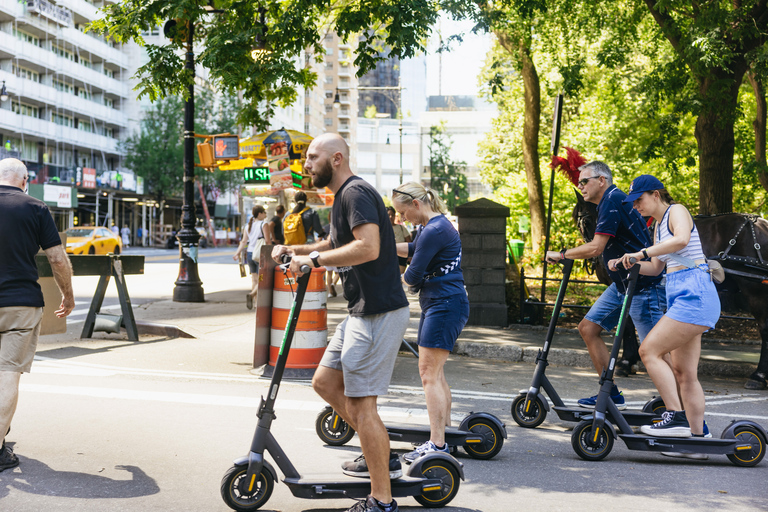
[104,425]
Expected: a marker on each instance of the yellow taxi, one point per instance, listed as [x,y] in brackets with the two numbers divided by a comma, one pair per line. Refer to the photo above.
[92,240]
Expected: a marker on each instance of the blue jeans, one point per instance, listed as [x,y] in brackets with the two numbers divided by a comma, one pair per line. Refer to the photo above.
[647,308]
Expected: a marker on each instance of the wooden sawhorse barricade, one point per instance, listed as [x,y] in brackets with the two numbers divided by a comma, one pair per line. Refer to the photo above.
[110,265]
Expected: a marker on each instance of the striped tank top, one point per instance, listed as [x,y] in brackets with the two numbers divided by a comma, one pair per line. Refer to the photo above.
[691,251]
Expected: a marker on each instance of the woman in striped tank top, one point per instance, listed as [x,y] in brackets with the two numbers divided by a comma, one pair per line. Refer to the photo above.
[693,308]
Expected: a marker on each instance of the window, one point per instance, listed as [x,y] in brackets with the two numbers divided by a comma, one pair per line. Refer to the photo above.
[328,121]
[105,131]
[61,120]
[329,95]
[329,66]
[84,126]
[63,87]
[86,63]
[25,110]
[109,73]
[26,74]
[84,94]
[109,102]
[26,37]
[61,52]
[329,108]
[329,79]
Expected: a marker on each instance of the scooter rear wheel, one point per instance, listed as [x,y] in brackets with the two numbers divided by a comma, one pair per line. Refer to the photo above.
[753,456]
[656,406]
[252,500]
[493,439]
[586,446]
[533,417]
[449,477]
[332,429]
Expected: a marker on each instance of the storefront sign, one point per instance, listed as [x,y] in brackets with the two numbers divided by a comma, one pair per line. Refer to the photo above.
[139,185]
[89,177]
[61,196]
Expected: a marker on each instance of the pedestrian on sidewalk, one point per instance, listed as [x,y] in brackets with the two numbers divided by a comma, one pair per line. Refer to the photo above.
[275,225]
[620,229]
[125,233]
[401,235]
[254,237]
[358,362]
[26,227]
[693,308]
[435,271]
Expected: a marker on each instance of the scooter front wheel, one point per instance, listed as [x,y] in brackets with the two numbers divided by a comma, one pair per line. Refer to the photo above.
[748,434]
[237,498]
[493,439]
[531,418]
[449,483]
[332,429]
[587,445]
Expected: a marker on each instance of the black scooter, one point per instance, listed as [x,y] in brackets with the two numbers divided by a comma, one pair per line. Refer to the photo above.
[481,434]
[743,441]
[530,407]
[433,480]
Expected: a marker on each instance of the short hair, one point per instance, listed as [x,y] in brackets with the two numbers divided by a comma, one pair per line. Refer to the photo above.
[280,209]
[600,169]
[12,169]
[390,209]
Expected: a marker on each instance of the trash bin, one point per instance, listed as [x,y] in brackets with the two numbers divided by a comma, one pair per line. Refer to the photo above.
[517,249]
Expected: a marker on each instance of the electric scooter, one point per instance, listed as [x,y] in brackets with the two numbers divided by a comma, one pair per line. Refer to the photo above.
[530,407]
[742,441]
[481,434]
[433,480]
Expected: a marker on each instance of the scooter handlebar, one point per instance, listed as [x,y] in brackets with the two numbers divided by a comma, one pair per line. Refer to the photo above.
[286,259]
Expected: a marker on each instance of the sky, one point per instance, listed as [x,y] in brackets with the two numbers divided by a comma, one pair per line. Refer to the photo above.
[460,66]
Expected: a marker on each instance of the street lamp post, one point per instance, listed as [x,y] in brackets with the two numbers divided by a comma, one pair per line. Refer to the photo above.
[189,287]
[398,106]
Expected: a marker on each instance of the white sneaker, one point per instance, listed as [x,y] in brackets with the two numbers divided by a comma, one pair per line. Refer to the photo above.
[427,447]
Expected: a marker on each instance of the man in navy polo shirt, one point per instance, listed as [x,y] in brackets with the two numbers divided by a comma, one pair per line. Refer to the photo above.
[620,229]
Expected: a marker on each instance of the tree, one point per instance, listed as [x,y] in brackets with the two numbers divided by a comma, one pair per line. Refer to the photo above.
[716,42]
[156,152]
[447,177]
[215,113]
[287,28]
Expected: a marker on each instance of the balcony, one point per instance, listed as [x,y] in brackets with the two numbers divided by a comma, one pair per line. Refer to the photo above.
[11,124]
[95,46]
[81,8]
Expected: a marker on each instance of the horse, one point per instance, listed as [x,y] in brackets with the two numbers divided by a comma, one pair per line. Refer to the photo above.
[739,242]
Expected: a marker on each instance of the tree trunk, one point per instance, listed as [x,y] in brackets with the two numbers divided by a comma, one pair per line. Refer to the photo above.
[532,95]
[715,138]
[759,126]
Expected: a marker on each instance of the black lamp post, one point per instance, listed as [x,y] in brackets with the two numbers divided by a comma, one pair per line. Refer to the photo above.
[189,287]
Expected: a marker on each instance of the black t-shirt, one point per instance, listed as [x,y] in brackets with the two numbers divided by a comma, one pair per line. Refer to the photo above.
[277,229]
[373,287]
[26,225]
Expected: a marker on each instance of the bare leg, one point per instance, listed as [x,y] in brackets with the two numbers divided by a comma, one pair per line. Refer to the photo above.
[375,443]
[436,391]
[9,397]
[598,352]
[254,284]
[329,384]
[683,341]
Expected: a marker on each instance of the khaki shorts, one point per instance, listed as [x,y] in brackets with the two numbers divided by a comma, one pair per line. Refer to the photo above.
[365,348]
[19,330]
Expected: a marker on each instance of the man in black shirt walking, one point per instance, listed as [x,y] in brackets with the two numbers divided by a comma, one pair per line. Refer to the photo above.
[362,248]
[26,226]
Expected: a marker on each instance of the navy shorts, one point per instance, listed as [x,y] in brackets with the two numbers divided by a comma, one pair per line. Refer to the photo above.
[442,319]
[252,265]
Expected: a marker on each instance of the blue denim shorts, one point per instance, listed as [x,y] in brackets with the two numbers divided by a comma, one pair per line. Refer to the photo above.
[692,297]
[442,319]
[647,308]
[252,265]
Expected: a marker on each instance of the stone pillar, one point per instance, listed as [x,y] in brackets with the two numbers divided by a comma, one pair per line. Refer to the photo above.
[482,227]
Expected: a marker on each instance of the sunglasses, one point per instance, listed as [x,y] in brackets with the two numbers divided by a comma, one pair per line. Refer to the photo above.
[395,191]
[584,181]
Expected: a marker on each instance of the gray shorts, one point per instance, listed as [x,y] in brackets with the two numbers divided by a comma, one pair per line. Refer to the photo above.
[19,330]
[365,348]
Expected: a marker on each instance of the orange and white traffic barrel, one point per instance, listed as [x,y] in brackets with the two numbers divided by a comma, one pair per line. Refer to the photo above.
[311,335]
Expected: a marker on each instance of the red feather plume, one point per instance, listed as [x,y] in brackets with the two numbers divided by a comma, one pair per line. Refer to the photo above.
[569,165]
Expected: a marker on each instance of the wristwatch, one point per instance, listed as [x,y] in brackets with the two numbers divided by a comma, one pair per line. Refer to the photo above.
[313,256]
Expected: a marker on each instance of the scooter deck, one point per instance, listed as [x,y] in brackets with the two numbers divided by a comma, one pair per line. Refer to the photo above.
[317,486]
[683,444]
[634,417]
[409,433]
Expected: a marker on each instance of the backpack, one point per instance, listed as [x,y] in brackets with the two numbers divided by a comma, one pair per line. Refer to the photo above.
[293,228]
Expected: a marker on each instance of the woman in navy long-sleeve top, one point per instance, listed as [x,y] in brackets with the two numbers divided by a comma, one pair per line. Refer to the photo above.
[435,271]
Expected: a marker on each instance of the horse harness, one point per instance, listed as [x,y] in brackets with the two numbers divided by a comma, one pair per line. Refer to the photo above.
[753,264]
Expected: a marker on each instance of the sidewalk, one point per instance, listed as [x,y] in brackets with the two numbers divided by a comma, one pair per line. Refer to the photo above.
[224,323]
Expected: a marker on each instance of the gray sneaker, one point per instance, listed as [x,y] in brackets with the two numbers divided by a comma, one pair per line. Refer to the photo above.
[427,447]
[359,467]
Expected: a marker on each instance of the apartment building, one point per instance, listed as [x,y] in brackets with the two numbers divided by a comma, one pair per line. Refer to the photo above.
[65,94]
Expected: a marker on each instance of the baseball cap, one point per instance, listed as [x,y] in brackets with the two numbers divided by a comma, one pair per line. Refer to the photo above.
[641,184]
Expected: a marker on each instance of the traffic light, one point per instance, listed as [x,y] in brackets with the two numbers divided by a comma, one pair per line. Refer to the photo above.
[205,152]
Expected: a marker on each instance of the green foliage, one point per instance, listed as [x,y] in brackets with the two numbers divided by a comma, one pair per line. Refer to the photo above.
[223,42]
[447,177]
[217,114]
[156,152]
[370,112]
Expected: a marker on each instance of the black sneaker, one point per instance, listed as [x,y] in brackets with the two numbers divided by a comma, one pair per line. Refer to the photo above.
[371,505]
[672,424]
[8,459]
[359,467]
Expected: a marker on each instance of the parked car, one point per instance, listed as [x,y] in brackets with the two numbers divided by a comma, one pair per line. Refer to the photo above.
[92,240]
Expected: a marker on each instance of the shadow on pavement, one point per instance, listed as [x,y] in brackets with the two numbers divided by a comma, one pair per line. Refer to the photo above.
[35,477]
